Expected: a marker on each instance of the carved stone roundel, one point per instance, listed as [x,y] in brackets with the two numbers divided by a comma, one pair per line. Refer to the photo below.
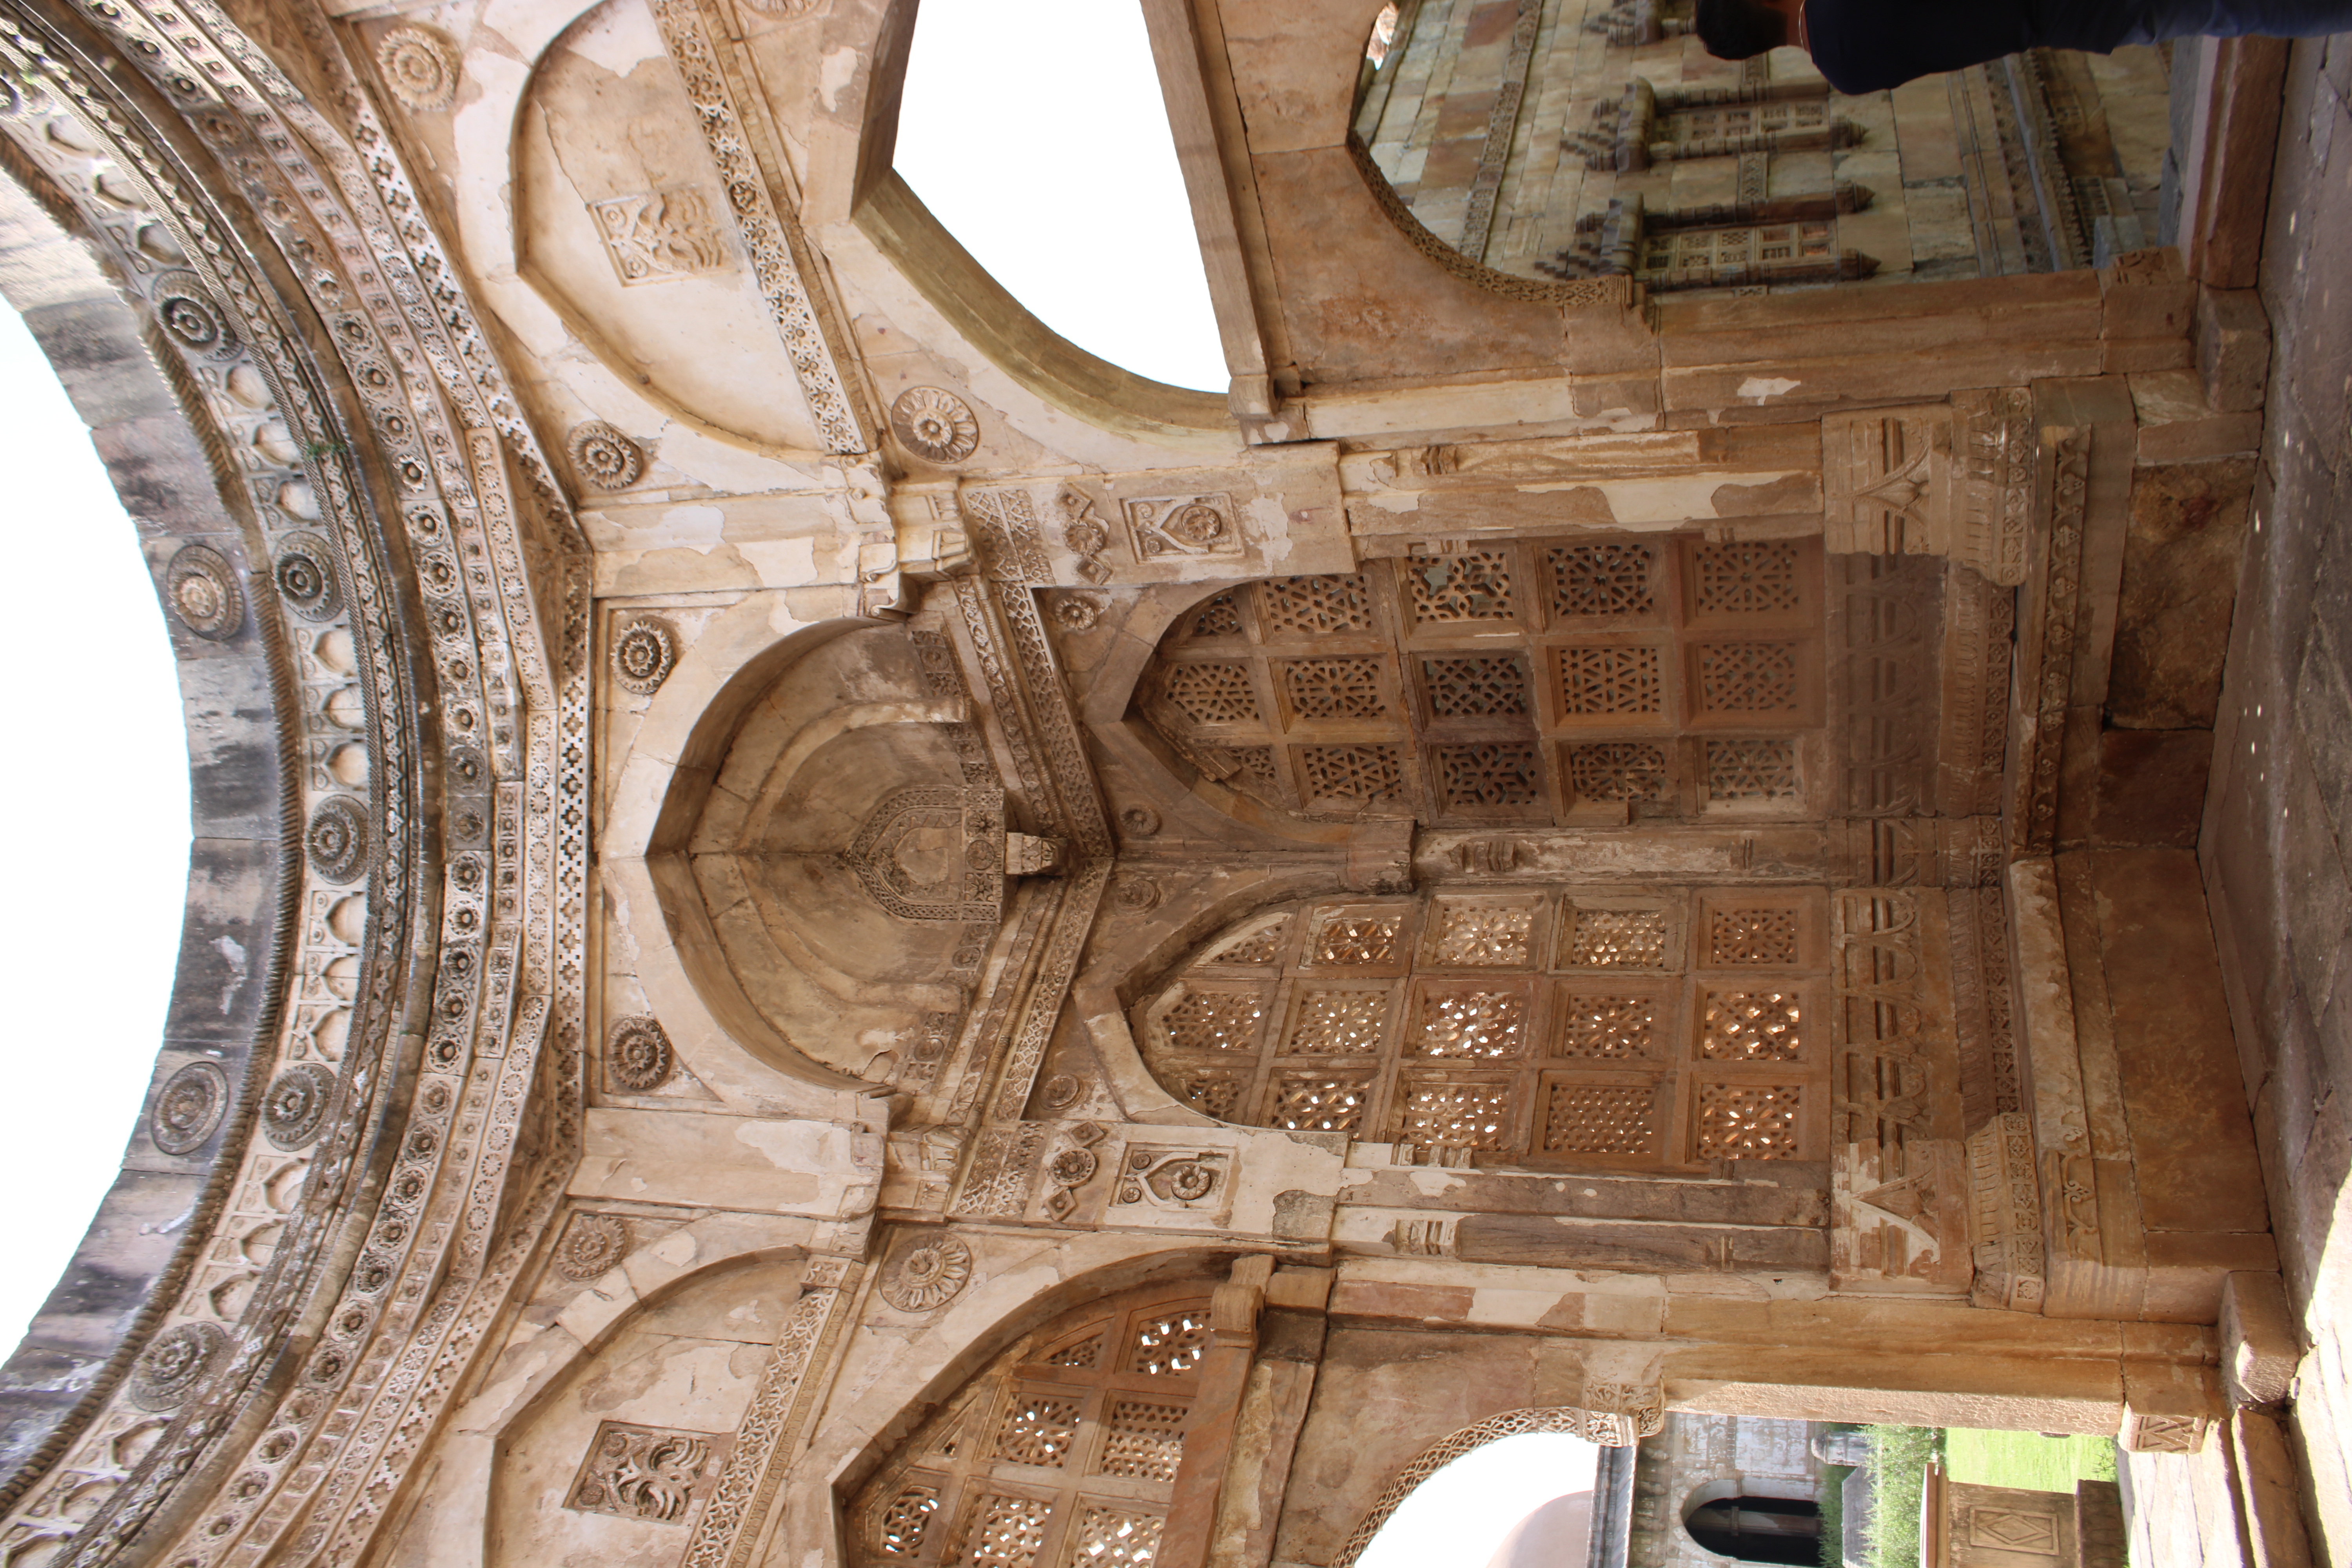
[637,1056]
[189,1108]
[185,307]
[605,457]
[419,66]
[935,424]
[338,839]
[928,1275]
[591,1245]
[180,1359]
[306,577]
[201,588]
[294,1113]
[644,655]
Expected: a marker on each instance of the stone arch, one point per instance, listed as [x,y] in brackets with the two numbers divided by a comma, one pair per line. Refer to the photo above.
[212,569]
[1607,1430]
[1715,1515]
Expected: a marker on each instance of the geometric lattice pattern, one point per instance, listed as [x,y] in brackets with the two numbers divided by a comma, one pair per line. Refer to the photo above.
[906,1520]
[1453,1114]
[1606,1027]
[1488,774]
[1617,770]
[1600,1119]
[1351,772]
[1602,579]
[1338,1023]
[1746,579]
[1522,679]
[1261,946]
[1142,1440]
[1037,1429]
[1313,606]
[1751,770]
[1220,618]
[1752,936]
[1475,585]
[1523,1023]
[1334,687]
[1216,1020]
[1320,1104]
[1081,1438]
[1481,935]
[1748,678]
[1002,1531]
[1215,693]
[1486,1025]
[1611,679]
[1353,938]
[1476,685]
[1617,938]
[1170,1346]
[1747,1120]
[1114,1538]
[1751,1025]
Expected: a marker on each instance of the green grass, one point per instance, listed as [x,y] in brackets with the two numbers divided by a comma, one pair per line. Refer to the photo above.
[1831,1499]
[2024,1460]
[1900,1456]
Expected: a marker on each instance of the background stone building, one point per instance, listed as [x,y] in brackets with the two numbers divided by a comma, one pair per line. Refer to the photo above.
[825,930]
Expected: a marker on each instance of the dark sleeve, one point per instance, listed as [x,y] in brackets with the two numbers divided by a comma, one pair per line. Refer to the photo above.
[1869,45]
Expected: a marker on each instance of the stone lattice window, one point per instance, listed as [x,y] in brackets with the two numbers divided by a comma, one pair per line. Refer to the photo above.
[1061,1454]
[1510,681]
[1661,1028]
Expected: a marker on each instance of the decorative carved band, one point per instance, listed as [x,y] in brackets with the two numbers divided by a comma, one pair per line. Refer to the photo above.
[1955,481]
[2005,1215]
[767,234]
[2049,692]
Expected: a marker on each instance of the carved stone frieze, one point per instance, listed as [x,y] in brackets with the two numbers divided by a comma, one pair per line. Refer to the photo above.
[2005,1215]
[1955,480]
[935,854]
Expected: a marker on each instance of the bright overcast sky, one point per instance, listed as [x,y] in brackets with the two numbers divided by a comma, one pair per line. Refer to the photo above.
[1035,132]
[1460,1515]
[94,863]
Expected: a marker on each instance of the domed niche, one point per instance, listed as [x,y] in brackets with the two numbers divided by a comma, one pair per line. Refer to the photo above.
[1529,681]
[850,859]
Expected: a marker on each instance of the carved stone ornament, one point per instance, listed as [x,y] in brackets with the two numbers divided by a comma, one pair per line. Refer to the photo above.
[175,1365]
[189,1108]
[294,1111]
[935,424]
[338,839]
[644,655]
[305,575]
[1140,821]
[420,67]
[1180,526]
[1077,612]
[185,307]
[642,1472]
[786,7]
[1087,535]
[201,588]
[935,854]
[637,1056]
[593,1245]
[927,1275]
[604,457]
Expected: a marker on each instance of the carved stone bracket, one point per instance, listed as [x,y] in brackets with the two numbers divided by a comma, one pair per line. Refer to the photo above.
[1953,480]
[2005,1215]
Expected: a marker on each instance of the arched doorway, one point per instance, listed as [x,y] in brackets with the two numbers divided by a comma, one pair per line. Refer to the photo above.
[1758,1528]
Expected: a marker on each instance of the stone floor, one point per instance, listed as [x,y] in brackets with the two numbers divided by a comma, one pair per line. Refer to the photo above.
[2273,849]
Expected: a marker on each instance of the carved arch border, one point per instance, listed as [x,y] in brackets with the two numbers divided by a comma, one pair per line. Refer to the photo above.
[1607,1430]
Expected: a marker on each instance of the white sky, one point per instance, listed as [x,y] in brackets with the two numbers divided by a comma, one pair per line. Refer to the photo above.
[1035,132]
[94,861]
[1459,1516]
